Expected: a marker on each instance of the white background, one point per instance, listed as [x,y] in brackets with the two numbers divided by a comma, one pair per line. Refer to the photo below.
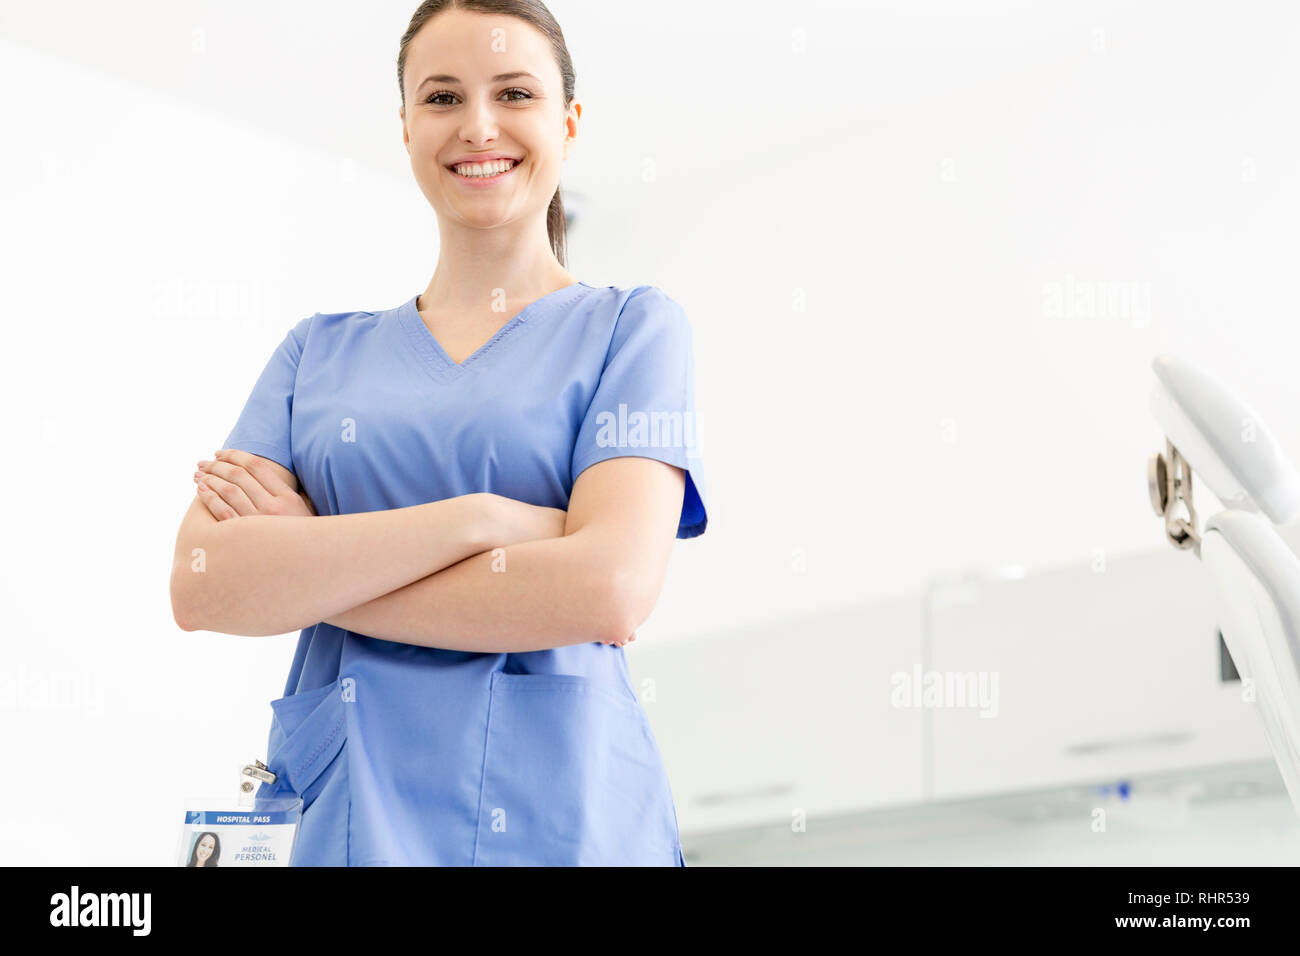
[862,207]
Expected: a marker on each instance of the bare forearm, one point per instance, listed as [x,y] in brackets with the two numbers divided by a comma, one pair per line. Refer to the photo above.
[260,574]
[525,597]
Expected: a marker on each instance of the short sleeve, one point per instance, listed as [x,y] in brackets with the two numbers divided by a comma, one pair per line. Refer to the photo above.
[644,404]
[263,427]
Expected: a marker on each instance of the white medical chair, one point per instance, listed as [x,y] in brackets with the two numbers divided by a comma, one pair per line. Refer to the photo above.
[1256,576]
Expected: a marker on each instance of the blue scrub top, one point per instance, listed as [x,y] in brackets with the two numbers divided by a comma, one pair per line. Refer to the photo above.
[410,755]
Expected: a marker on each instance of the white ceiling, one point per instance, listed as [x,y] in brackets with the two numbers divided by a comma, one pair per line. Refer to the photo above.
[697,83]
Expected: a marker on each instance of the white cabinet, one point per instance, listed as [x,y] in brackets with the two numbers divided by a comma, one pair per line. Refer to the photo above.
[794,715]
[1100,673]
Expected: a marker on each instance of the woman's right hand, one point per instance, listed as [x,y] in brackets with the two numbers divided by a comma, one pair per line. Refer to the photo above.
[515,521]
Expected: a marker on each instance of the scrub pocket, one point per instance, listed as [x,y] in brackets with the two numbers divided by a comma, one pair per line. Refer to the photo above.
[572,777]
[308,754]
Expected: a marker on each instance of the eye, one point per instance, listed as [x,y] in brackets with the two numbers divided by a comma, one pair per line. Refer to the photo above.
[434,96]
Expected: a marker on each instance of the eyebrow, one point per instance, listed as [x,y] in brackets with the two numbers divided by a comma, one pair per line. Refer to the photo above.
[499,78]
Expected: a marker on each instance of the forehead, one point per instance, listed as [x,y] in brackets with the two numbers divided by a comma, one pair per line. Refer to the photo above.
[474,47]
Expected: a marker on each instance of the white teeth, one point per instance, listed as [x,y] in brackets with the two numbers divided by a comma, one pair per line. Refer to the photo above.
[494,168]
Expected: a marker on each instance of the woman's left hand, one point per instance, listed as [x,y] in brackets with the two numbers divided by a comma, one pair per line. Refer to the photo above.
[239,484]
[626,640]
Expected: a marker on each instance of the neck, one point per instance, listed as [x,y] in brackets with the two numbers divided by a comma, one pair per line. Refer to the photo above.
[481,271]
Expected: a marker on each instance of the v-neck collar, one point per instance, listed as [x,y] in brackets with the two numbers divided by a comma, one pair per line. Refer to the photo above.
[434,356]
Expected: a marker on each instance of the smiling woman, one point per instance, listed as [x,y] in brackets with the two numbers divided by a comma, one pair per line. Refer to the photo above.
[535,108]
[479,710]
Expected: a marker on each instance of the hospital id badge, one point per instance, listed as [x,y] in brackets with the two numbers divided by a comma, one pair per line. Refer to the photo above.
[224,832]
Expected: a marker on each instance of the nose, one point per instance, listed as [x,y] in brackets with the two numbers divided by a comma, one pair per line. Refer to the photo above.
[479,125]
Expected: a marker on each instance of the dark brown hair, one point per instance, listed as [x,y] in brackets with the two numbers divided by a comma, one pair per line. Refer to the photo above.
[531,11]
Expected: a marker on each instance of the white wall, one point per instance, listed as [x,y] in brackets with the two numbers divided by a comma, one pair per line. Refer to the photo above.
[862,207]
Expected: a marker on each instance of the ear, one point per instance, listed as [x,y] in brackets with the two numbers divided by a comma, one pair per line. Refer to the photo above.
[406,137]
[571,125]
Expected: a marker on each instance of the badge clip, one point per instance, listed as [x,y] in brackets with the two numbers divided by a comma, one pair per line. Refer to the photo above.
[251,772]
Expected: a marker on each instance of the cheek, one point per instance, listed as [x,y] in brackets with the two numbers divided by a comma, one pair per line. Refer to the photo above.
[420,152]
[423,143]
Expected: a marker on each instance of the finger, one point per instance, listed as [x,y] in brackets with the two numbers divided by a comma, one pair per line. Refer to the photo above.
[267,477]
[260,469]
[258,498]
[229,492]
[216,506]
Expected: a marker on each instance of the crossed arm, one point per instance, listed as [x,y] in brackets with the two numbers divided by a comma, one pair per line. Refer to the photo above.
[598,581]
